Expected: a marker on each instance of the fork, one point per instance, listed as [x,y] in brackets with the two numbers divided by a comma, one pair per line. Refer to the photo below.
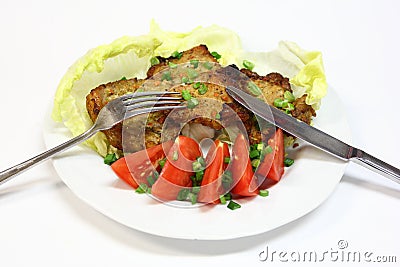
[114,112]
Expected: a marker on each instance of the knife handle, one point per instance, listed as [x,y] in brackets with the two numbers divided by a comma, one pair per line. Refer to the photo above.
[377,165]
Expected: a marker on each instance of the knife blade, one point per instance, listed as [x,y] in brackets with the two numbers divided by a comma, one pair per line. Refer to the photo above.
[313,135]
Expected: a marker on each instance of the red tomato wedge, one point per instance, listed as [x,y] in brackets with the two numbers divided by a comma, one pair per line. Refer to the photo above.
[211,185]
[271,169]
[177,170]
[242,171]
[136,167]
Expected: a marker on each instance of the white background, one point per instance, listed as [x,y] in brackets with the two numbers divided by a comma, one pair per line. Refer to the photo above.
[42,223]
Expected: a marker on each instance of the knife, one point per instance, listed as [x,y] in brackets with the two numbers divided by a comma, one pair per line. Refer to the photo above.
[313,135]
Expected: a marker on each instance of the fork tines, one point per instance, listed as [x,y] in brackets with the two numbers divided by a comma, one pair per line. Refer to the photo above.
[145,102]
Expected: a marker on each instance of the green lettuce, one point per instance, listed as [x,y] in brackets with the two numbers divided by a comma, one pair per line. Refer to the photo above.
[130,57]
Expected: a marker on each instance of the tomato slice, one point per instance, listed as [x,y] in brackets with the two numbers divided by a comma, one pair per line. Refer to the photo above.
[177,170]
[271,169]
[136,167]
[242,171]
[211,185]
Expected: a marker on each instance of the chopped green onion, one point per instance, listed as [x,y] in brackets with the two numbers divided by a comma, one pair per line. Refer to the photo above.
[154,61]
[248,64]
[150,180]
[202,161]
[175,156]
[195,189]
[255,163]
[254,154]
[199,175]
[227,179]
[194,180]
[186,95]
[192,74]
[203,89]
[196,85]
[197,178]
[222,199]
[194,63]
[288,162]
[280,103]
[162,162]
[196,166]
[123,78]
[216,55]
[260,147]
[177,54]
[110,159]
[254,89]
[288,96]
[228,196]
[193,198]
[290,107]
[218,116]
[263,192]
[208,65]
[183,194]
[267,150]
[142,188]
[166,76]
[192,103]
[185,79]
[233,205]
[227,160]
[172,65]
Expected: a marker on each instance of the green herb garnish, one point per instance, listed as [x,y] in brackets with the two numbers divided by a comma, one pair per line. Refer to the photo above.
[142,188]
[172,65]
[233,205]
[216,55]
[194,63]
[288,96]
[177,54]
[186,95]
[154,61]
[203,89]
[227,179]
[192,103]
[196,85]
[288,162]
[183,194]
[110,159]
[192,74]
[166,76]
[254,89]
[208,65]
[175,156]
[248,64]
[263,192]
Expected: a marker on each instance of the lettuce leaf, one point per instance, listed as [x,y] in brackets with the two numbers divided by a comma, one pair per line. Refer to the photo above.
[310,78]
[130,57]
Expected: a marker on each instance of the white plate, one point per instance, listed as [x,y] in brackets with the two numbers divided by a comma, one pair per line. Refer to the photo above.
[304,187]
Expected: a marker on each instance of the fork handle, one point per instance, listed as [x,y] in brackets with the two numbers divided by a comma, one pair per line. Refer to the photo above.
[9,173]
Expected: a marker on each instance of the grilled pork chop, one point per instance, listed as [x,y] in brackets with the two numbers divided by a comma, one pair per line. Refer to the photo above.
[219,111]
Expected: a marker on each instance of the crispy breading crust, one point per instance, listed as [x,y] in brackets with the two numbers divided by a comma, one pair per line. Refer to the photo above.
[272,85]
[200,53]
